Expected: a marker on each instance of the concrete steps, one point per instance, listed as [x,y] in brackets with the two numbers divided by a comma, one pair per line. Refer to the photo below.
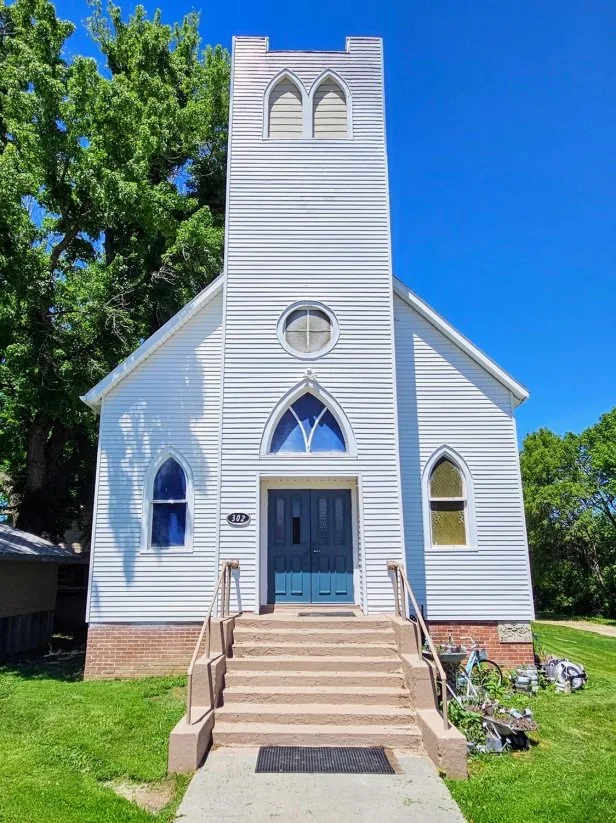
[322,679]
[299,662]
[315,681]
[272,734]
[334,714]
[352,649]
[375,695]
[311,636]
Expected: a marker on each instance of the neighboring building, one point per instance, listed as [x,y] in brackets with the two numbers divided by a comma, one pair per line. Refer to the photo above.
[28,585]
[313,395]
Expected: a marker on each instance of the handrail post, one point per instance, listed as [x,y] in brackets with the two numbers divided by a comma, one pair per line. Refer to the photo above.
[402,610]
[222,599]
[392,566]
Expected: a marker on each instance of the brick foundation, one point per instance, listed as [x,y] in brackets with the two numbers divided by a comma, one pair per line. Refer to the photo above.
[507,655]
[138,650]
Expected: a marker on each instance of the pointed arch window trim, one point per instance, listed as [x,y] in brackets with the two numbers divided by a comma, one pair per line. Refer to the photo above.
[329,74]
[286,74]
[284,404]
[149,502]
[469,502]
[307,103]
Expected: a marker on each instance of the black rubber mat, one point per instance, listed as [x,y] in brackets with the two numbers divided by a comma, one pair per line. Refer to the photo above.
[326,614]
[323,760]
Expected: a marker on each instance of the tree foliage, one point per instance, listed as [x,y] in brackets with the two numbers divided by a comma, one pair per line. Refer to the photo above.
[111,218]
[570,500]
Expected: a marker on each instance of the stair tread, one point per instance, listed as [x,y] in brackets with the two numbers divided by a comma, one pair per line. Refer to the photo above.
[315,673]
[279,658]
[313,708]
[383,690]
[307,630]
[255,644]
[260,728]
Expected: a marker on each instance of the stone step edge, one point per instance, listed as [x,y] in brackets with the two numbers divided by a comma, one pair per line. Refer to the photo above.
[257,734]
[315,708]
[295,658]
[385,691]
[273,673]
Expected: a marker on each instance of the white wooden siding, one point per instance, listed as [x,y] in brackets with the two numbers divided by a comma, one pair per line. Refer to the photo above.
[445,398]
[329,111]
[171,399]
[285,110]
[309,220]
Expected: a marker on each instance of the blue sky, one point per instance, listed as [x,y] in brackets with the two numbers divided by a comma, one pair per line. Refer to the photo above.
[501,125]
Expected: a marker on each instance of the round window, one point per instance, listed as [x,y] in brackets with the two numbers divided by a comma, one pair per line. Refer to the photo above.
[307,330]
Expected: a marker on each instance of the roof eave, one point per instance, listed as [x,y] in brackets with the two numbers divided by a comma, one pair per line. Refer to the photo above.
[94,397]
[519,392]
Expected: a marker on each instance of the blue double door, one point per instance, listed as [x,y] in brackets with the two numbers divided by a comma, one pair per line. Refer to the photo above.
[310,549]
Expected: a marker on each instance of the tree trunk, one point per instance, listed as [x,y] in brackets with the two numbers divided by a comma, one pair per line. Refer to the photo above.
[45,484]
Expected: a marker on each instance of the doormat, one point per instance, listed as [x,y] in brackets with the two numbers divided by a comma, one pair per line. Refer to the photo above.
[326,614]
[323,760]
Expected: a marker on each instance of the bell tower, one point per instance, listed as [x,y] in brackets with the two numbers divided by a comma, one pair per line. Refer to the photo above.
[308,300]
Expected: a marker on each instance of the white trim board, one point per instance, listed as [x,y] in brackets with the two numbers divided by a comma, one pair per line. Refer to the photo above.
[519,392]
[94,397]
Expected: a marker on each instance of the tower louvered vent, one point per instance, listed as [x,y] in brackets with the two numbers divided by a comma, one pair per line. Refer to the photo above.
[285,110]
[330,111]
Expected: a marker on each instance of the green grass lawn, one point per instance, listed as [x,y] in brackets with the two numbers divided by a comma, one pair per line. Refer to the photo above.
[570,776]
[62,738]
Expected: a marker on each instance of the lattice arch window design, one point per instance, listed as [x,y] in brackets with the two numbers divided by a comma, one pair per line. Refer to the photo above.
[449,502]
[168,510]
[307,427]
[330,110]
[285,117]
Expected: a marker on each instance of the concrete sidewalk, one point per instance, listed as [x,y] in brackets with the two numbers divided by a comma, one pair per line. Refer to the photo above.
[226,788]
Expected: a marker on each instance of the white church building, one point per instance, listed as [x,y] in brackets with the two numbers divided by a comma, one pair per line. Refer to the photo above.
[307,414]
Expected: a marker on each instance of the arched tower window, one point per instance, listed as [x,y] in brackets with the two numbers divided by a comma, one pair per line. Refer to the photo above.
[329,110]
[307,426]
[448,504]
[168,504]
[285,116]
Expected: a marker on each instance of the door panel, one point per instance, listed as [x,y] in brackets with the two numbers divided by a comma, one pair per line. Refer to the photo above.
[310,551]
[288,547]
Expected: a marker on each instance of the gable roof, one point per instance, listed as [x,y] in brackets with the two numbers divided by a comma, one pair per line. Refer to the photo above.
[18,545]
[519,392]
[94,397]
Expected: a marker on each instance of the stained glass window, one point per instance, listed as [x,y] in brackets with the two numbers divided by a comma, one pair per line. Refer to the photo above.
[448,509]
[169,506]
[308,426]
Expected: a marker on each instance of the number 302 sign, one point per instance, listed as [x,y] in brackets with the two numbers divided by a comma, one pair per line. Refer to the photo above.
[238,518]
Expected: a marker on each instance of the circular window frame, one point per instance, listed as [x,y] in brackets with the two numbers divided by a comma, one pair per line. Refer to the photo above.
[308,304]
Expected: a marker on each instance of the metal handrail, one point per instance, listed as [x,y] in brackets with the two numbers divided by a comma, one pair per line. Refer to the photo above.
[222,587]
[401,611]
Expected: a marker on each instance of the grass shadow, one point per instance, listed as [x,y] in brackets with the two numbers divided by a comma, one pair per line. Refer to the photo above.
[56,665]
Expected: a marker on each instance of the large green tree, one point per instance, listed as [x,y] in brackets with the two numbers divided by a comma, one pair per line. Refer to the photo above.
[570,500]
[112,177]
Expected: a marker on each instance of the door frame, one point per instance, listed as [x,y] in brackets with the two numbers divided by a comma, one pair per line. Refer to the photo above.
[265,482]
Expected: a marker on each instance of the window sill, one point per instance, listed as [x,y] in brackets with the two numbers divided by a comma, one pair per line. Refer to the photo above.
[161,551]
[308,455]
[451,549]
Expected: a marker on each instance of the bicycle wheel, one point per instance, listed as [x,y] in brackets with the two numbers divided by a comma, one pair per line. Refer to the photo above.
[486,673]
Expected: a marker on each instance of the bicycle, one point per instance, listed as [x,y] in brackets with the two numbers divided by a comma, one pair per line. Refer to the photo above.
[477,672]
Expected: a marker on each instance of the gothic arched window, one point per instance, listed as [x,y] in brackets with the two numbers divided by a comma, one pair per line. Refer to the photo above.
[448,504]
[307,426]
[169,506]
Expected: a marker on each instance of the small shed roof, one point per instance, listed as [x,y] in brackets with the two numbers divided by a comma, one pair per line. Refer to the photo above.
[18,545]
